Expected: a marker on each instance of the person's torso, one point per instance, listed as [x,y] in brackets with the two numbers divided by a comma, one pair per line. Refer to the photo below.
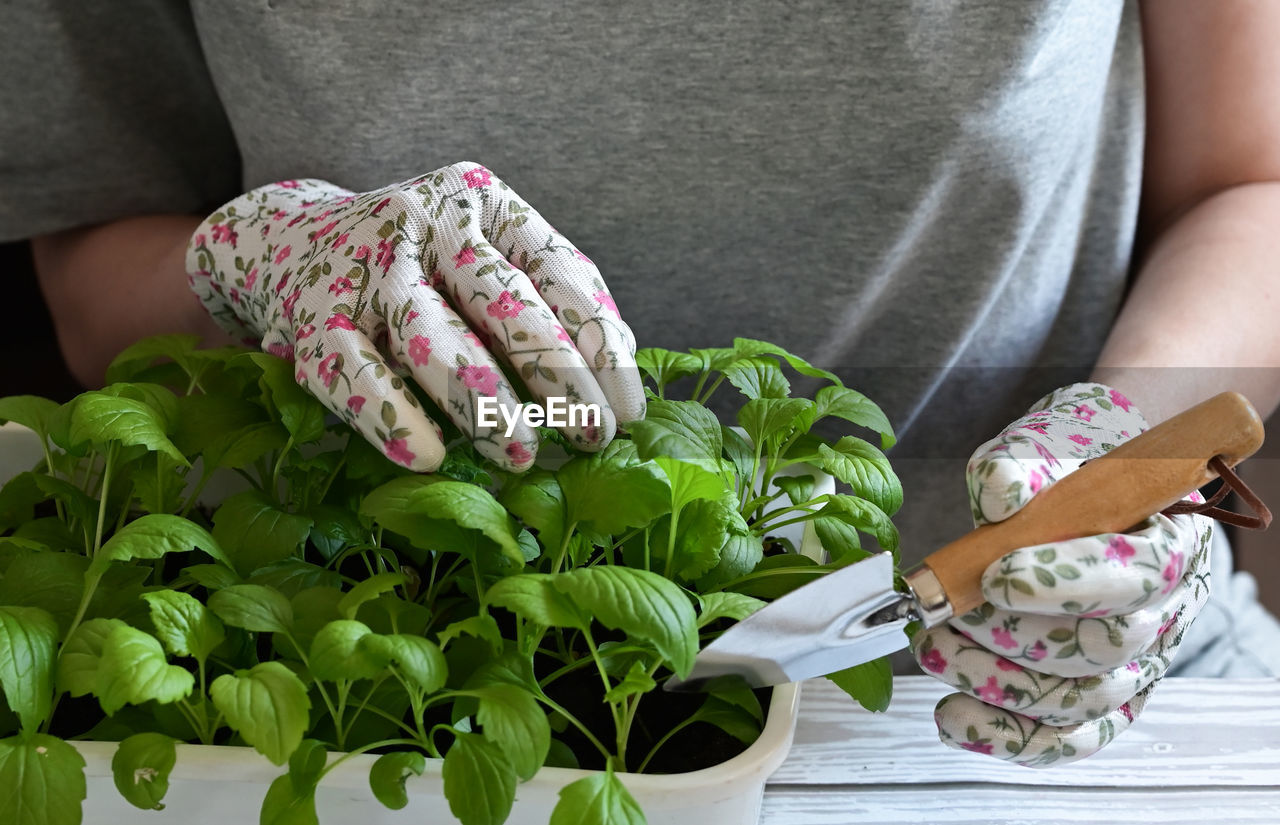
[928,197]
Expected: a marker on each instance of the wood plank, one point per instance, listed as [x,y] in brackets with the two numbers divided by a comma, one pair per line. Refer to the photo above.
[1202,732]
[986,805]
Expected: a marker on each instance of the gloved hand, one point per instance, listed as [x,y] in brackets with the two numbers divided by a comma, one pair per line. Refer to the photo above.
[1074,635]
[433,277]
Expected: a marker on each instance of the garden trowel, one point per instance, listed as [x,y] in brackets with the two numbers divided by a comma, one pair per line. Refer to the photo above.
[854,614]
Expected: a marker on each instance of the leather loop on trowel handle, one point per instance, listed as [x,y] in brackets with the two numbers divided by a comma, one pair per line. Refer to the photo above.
[1109,494]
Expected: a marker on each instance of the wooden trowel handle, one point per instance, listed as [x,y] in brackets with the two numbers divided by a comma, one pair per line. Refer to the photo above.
[1109,494]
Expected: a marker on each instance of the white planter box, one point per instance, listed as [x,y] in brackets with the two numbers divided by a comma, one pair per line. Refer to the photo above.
[218,785]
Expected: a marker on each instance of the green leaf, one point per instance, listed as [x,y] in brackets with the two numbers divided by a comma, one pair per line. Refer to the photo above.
[435,513]
[635,683]
[479,781]
[267,705]
[856,408]
[141,766]
[77,503]
[255,532]
[243,446]
[701,531]
[287,804]
[597,799]
[292,576]
[299,411]
[292,798]
[151,536]
[739,452]
[665,366]
[865,516]
[865,469]
[334,529]
[143,353]
[31,411]
[133,670]
[870,683]
[417,659]
[100,418]
[533,597]
[307,763]
[53,582]
[18,499]
[685,430]
[1061,634]
[765,418]
[742,696]
[389,774]
[734,720]
[43,781]
[312,609]
[1044,576]
[186,626]
[747,347]
[77,670]
[253,607]
[714,358]
[798,488]
[642,604]
[368,590]
[538,501]
[726,605]
[690,482]
[336,653]
[481,627]
[159,399]
[758,377]
[738,557]
[511,718]
[28,637]
[612,490]
[839,539]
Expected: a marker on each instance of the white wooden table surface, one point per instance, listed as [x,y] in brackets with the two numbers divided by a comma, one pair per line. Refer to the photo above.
[1203,751]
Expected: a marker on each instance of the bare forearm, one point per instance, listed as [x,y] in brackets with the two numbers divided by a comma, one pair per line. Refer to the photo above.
[110,285]
[1204,314]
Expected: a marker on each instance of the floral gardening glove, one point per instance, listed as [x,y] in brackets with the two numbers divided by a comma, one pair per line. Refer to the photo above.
[431,277]
[1074,635]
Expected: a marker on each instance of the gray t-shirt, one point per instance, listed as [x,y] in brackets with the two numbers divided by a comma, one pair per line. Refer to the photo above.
[935,199]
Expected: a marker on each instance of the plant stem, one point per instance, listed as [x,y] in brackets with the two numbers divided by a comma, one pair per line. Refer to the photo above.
[275,471]
[102,502]
[654,750]
[773,514]
[573,720]
[710,391]
[671,543]
[365,749]
[796,520]
[91,578]
[195,493]
[619,727]
[564,547]
[48,463]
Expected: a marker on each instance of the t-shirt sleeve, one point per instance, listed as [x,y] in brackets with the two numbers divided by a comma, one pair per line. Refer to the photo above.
[107,110]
